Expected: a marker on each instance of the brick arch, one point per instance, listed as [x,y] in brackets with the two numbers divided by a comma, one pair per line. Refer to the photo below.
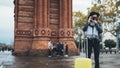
[37,21]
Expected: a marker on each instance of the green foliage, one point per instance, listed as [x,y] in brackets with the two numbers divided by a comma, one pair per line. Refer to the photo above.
[109,11]
[110,43]
[117,30]
[2,45]
[117,4]
[79,20]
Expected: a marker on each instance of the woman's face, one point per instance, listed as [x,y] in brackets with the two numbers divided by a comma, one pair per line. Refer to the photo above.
[94,17]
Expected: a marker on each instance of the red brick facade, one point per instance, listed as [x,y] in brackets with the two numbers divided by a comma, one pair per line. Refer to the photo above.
[37,21]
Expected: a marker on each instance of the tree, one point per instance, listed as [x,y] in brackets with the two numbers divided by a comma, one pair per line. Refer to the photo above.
[110,13]
[110,43]
[79,20]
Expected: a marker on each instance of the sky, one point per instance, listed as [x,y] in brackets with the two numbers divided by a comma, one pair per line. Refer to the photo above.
[6,21]
[81,5]
[7,17]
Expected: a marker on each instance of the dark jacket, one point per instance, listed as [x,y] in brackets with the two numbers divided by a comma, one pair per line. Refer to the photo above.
[98,27]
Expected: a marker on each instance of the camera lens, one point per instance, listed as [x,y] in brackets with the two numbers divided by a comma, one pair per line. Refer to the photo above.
[90,20]
[94,18]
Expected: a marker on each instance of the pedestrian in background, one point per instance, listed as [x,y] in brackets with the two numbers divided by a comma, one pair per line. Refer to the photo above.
[66,49]
[50,48]
[62,49]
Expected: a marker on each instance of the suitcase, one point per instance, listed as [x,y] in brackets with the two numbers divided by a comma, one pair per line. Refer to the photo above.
[83,62]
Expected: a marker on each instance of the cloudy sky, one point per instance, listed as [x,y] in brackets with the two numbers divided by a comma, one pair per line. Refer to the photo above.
[81,5]
[7,19]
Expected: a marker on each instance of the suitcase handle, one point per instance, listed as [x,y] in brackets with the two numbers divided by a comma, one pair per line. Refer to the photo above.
[86,47]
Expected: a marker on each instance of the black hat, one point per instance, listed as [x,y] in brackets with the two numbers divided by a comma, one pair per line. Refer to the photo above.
[94,13]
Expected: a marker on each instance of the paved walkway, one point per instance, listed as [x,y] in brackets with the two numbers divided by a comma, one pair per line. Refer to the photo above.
[9,61]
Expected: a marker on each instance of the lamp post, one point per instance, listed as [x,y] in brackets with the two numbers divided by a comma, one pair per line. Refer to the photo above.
[118,42]
[79,35]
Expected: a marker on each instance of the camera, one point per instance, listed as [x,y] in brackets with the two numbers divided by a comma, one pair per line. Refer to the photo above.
[94,18]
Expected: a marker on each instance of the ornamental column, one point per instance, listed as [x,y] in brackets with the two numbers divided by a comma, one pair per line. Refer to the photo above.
[66,31]
[41,29]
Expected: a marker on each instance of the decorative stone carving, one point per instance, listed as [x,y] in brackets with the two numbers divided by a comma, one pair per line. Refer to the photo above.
[23,32]
[68,33]
[62,33]
[36,32]
[43,32]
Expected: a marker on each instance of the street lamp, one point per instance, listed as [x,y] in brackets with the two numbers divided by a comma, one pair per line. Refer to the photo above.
[79,35]
[118,42]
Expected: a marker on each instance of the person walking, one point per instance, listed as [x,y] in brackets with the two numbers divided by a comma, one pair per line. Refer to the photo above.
[50,48]
[66,49]
[92,30]
[60,49]
[54,49]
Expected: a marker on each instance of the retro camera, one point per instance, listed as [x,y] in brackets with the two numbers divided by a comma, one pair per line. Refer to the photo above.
[94,18]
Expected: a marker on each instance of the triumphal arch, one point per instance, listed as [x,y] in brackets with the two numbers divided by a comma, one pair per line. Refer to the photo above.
[38,21]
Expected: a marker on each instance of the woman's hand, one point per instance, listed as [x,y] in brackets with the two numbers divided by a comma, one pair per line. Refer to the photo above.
[95,21]
[90,19]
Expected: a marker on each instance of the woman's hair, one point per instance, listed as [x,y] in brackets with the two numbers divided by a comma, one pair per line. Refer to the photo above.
[94,13]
